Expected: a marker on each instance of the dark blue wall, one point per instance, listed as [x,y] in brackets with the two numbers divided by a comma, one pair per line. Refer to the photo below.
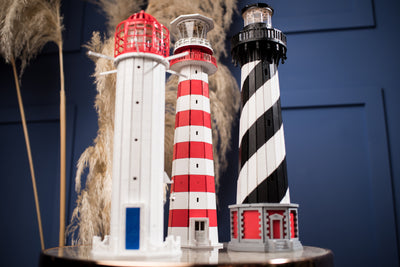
[339,96]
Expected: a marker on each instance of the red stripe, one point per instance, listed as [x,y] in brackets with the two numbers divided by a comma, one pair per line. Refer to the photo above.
[180,218]
[193,183]
[185,150]
[193,117]
[180,183]
[194,87]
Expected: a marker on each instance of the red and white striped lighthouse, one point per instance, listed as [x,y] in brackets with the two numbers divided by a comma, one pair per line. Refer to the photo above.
[192,214]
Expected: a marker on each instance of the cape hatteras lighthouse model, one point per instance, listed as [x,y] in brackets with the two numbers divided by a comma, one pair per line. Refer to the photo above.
[192,211]
[141,51]
[263,219]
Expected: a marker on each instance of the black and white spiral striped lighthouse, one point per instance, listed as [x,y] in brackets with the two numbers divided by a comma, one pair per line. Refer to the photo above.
[263,219]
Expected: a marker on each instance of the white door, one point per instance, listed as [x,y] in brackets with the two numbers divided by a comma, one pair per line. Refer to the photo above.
[200,232]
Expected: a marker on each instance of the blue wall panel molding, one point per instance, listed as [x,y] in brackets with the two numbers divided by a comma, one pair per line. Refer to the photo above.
[339,172]
[19,220]
[314,15]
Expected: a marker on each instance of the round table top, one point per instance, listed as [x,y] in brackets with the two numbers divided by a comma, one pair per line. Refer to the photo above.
[80,256]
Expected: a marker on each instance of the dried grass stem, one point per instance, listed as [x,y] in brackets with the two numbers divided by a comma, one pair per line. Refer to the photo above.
[28,150]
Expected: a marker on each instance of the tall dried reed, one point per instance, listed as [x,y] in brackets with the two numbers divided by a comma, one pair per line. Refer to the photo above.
[25,27]
[92,213]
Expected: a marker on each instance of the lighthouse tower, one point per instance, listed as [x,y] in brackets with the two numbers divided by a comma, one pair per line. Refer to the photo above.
[263,218]
[141,48]
[192,214]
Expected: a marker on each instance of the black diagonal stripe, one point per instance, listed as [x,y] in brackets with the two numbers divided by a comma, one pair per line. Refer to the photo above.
[260,132]
[272,189]
[261,73]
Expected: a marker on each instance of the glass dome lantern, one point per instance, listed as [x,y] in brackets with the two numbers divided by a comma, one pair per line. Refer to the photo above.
[192,30]
[257,13]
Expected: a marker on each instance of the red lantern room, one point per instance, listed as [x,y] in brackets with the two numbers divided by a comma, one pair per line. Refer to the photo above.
[141,32]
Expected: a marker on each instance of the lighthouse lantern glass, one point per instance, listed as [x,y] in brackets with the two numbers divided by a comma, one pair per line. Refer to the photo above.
[192,28]
[258,15]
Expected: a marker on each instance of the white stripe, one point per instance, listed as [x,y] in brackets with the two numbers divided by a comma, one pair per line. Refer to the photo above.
[190,72]
[246,69]
[286,198]
[193,166]
[273,159]
[263,99]
[193,102]
[193,133]
[179,201]
[193,201]
[202,201]
[261,161]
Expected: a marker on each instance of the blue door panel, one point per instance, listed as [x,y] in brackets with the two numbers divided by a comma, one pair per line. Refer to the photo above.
[132,228]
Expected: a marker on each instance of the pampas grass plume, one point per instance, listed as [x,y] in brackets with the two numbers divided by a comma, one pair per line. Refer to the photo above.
[27,26]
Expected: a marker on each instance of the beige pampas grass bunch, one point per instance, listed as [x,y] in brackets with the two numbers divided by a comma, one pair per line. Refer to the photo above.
[92,213]
[25,27]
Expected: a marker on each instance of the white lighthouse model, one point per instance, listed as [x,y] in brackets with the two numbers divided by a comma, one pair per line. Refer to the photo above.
[193,214]
[141,48]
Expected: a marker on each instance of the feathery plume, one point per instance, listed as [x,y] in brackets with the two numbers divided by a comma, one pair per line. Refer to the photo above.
[91,216]
[27,27]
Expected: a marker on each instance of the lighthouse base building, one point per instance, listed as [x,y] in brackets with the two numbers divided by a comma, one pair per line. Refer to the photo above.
[264,227]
